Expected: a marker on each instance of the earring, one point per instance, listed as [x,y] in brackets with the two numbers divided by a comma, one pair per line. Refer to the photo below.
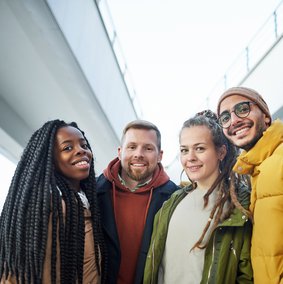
[184,183]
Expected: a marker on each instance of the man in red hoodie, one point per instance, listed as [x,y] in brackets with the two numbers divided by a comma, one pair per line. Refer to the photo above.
[130,192]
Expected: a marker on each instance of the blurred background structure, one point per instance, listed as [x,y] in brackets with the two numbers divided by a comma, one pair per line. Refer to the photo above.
[63,59]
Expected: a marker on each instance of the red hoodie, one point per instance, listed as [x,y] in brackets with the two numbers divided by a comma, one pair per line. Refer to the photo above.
[130,210]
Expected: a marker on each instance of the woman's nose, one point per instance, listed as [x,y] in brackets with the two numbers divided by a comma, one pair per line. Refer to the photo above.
[80,150]
[191,156]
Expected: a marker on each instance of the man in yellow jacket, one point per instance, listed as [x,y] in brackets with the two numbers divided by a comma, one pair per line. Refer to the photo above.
[246,122]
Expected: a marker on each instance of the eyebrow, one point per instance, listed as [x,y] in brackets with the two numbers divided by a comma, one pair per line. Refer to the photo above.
[70,141]
[196,144]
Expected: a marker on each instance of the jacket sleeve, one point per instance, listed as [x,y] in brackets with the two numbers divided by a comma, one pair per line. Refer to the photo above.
[245,271]
[158,240]
[150,270]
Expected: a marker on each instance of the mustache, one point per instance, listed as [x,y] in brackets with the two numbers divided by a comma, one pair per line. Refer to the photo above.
[234,129]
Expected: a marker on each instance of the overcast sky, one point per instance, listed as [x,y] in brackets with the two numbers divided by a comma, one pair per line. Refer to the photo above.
[177,51]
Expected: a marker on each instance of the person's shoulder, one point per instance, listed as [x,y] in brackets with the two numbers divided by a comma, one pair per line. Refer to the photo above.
[176,196]
[102,182]
[182,191]
[170,186]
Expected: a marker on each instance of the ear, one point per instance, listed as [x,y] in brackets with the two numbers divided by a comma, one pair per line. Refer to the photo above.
[267,120]
[160,155]
[222,152]
[119,152]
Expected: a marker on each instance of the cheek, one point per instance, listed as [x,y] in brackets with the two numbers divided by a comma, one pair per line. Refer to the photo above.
[183,160]
[225,131]
[61,168]
[90,155]
[60,163]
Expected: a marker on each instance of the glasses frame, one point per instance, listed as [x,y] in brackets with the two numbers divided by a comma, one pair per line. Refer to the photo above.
[249,103]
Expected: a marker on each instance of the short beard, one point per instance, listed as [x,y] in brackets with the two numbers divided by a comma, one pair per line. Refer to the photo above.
[138,177]
[259,132]
[250,145]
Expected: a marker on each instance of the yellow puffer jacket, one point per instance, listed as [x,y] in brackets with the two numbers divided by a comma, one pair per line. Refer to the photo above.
[264,162]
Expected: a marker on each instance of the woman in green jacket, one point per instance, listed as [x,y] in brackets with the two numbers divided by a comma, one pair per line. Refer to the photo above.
[202,233]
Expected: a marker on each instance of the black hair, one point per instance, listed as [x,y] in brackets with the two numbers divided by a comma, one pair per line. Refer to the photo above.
[34,205]
[228,182]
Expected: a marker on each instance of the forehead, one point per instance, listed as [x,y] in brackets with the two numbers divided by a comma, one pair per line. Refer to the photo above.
[229,102]
[195,135]
[140,136]
[67,133]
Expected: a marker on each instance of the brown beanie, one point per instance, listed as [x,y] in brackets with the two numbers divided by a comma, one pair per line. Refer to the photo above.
[248,93]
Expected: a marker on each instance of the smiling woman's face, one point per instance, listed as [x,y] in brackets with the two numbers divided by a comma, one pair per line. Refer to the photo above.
[199,157]
[72,157]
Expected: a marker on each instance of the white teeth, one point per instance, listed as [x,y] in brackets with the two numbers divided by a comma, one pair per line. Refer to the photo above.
[194,168]
[241,131]
[82,163]
[138,165]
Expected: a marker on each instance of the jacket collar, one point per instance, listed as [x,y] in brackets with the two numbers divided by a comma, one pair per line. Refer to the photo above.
[248,160]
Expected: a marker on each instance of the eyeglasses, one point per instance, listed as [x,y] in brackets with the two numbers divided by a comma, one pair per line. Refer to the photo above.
[242,110]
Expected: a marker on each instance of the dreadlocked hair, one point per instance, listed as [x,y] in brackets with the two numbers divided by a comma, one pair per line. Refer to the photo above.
[227,184]
[34,199]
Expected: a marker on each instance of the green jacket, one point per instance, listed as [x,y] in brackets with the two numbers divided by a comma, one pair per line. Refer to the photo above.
[227,256]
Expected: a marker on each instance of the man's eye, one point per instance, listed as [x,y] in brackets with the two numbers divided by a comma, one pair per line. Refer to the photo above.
[243,109]
[225,117]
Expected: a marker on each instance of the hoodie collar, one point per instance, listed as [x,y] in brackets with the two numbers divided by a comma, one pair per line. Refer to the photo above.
[136,187]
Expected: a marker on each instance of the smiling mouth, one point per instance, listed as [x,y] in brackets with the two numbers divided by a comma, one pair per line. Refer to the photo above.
[243,130]
[82,164]
[194,168]
[137,165]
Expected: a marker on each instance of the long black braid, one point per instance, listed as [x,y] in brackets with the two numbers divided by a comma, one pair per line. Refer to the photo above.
[35,199]
[228,183]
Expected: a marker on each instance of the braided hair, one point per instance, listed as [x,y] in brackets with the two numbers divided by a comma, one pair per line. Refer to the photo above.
[228,183]
[35,199]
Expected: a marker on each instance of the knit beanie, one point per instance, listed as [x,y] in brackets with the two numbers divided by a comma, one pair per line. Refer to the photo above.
[248,93]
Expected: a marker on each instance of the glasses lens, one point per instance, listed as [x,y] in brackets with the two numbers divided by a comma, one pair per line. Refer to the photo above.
[242,109]
[224,119]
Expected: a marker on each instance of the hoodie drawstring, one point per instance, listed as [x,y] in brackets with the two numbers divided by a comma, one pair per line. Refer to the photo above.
[114,197]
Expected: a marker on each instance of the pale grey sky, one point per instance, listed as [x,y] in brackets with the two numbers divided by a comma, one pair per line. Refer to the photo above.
[176,52]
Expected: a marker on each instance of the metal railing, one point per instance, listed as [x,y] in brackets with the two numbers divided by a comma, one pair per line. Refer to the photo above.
[118,51]
[260,44]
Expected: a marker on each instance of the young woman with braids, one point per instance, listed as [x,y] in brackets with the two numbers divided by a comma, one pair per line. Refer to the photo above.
[50,225]
[202,233]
